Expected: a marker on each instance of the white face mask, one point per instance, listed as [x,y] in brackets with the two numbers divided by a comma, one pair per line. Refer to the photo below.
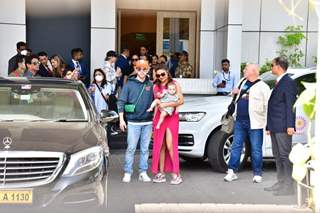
[24,52]
[99,78]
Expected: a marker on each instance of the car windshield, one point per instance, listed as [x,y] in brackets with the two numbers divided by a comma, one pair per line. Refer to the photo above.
[38,103]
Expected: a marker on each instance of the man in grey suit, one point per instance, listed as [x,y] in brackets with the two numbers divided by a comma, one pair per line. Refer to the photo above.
[281,119]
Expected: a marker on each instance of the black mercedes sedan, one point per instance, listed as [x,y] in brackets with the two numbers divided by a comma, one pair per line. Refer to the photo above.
[53,145]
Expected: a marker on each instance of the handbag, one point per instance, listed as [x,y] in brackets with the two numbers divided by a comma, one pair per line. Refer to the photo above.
[227,120]
[130,108]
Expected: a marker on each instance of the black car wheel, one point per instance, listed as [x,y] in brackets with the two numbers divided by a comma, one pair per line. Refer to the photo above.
[219,151]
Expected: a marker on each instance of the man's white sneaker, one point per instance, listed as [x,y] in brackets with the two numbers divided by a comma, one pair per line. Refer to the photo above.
[231,176]
[144,177]
[126,178]
[257,179]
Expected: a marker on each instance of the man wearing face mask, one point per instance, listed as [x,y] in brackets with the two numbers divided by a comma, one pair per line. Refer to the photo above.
[135,99]
[11,63]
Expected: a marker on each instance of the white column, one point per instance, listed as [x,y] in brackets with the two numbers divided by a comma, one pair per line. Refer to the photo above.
[12,30]
[207,37]
[316,195]
[103,30]
[235,35]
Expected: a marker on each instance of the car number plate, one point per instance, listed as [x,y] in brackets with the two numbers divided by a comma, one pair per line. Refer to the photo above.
[16,196]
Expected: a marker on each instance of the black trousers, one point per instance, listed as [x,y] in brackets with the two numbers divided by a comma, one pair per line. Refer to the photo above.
[281,148]
[112,103]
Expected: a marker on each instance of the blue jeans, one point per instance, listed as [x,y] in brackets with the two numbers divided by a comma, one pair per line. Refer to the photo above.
[137,133]
[241,132]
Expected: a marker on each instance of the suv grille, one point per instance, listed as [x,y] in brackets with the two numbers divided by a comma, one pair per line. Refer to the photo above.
[28,169]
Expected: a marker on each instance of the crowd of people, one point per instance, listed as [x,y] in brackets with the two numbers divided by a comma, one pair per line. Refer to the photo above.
[138,81]
[141,88]
[27,64]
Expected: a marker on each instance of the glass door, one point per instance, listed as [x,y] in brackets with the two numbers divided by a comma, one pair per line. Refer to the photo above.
[176,33]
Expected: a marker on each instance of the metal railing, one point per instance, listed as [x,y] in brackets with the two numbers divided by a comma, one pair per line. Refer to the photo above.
[305,184]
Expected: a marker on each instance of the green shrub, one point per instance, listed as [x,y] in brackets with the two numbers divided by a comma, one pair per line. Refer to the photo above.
[290,45]
[267,66]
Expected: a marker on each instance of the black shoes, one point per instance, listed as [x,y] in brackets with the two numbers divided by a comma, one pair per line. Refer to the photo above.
[285,190]
[274,187]
[279,189]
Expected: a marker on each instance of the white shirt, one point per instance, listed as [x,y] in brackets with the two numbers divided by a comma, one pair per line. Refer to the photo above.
[111,78]
[75,63]
[280,77]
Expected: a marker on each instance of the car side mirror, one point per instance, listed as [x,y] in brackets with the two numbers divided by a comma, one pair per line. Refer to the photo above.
[108,116]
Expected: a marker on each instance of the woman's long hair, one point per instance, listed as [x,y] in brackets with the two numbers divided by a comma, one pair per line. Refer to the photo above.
[104,80]
[165,68]
[59,71]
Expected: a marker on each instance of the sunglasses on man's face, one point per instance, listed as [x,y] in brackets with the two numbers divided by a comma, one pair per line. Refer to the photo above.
[160,75]
[36,63]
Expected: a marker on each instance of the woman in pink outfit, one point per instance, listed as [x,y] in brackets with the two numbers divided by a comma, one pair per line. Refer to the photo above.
[165,155]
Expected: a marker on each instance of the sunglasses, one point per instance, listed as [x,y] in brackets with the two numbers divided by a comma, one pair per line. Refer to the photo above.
[161,75]
[135,59]
[36,63]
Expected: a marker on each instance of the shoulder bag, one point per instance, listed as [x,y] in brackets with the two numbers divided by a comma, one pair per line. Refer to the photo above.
[130,108]
[227,120]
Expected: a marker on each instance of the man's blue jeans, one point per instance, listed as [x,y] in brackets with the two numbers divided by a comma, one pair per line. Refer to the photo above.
[136,133]
[241,132]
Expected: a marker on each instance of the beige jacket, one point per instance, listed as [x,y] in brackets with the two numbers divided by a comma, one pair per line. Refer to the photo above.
[259,95]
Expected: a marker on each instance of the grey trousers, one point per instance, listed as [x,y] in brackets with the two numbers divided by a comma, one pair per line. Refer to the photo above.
[281,148]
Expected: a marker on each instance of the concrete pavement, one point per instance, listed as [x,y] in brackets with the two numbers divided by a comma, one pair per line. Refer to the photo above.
[200,185]
[217,208]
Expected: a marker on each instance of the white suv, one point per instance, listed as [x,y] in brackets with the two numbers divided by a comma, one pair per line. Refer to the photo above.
[199,135]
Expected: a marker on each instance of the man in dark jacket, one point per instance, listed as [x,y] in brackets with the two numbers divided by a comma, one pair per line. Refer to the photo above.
[281,120]
[123,65]
[45,68]
[78,64]
[11,64]
[139,92]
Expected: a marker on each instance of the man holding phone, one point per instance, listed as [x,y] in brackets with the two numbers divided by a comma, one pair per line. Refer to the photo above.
[224,81]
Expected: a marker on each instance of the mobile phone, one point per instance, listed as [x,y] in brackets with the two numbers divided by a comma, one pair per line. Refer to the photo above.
[224,82]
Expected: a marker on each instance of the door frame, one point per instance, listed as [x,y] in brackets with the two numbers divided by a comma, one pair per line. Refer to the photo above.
[192,32]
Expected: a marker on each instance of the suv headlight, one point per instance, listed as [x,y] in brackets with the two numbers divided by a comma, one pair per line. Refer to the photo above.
[191,116]
[84,161]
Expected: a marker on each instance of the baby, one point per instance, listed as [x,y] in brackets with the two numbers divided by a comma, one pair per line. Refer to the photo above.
[165,97]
